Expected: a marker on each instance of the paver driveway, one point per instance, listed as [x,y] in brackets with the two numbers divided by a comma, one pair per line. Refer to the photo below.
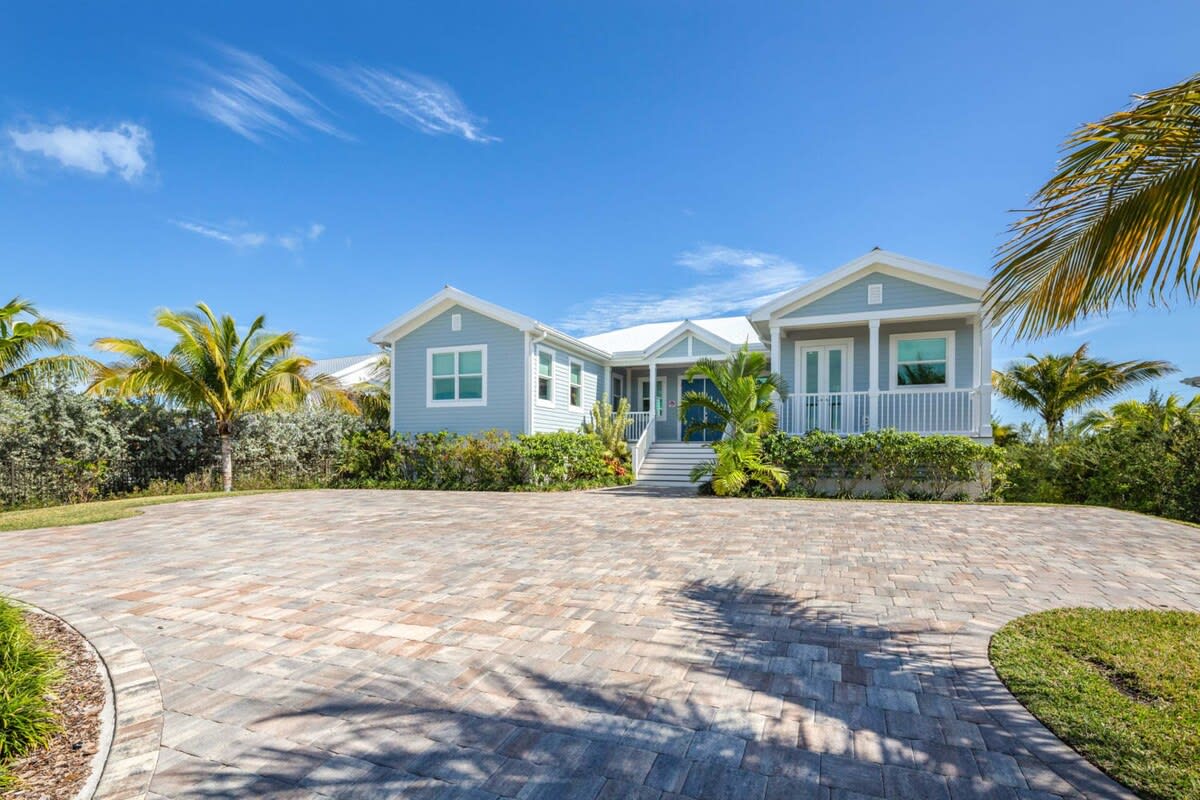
[402,644]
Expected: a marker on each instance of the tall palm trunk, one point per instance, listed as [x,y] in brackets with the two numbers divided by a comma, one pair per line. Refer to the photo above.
[226,432]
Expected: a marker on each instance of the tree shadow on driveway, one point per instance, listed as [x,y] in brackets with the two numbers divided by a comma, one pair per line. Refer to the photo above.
[732,691]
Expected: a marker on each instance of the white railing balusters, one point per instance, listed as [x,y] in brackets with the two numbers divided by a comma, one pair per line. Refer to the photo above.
[917,411]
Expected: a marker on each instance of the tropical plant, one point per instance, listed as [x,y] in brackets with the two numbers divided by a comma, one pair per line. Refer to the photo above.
[212,367]
[609,424]
[739,461]
[374,395]
[1119,219]
[1055,385]
[30,350]
[1156,414]
[745,405]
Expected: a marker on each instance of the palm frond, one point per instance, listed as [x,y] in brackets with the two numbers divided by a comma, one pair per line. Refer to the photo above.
[1118,221]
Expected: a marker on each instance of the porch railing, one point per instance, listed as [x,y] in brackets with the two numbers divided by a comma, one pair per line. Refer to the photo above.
[637,422]
[940,411]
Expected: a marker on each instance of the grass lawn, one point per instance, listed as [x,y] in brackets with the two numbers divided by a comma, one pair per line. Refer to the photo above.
[1121,687]
[27,673]
[100,511]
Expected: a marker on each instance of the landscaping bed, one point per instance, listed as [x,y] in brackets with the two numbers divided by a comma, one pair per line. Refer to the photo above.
[1120,687]
[51,697]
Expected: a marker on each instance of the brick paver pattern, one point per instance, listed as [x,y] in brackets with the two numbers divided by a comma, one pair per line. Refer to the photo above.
[590,645]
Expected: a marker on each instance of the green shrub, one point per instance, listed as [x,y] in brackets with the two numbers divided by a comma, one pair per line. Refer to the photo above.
[904,464]
[28,671]
[491,461]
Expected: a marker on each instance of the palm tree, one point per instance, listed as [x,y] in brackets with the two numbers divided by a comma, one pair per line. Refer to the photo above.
[739,460]
[1119,220]
[1055,385]
[374,395]
[1157,413]
[25,336]
[214,368]
[746,385]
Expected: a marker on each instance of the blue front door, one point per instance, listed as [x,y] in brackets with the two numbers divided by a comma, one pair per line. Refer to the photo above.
[698,414]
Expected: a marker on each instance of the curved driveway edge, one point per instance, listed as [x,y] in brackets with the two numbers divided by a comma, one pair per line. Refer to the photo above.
[969,652]
[130,753]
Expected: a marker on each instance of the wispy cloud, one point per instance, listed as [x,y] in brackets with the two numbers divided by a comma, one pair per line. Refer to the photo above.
[418,101]
[250,96]
[237,237]
[725,280]
[86,326]
[125,149]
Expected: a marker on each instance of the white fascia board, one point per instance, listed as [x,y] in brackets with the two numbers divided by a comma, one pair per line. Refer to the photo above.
[893,263]
[896,315]
[447,297]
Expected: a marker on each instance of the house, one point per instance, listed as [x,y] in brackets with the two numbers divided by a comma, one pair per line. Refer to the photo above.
[349,371]
[884,341]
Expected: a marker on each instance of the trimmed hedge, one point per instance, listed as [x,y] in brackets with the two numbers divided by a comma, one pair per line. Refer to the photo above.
[900,465]
[491,461]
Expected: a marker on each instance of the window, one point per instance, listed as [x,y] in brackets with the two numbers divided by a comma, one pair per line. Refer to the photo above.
[456,322]
[545,376]
[457,375]
[659,397]
[576,396]
[874,294]
[923,360]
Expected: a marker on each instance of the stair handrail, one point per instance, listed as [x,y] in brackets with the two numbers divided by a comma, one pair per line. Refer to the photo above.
[642,446]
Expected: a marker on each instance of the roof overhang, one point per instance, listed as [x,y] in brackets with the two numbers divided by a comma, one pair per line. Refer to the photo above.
[449,297]
[952,280]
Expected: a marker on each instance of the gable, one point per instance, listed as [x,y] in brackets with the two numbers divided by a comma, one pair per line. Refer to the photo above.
[898,293]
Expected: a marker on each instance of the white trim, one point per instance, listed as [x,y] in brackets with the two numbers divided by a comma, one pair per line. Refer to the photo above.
[537,375]
[430,352]
[879,261]
[526,361]
[456,322]
[643,392]
[391,350]
[893,362]
[847,363]
[687,327]
[571,362]
[914,314]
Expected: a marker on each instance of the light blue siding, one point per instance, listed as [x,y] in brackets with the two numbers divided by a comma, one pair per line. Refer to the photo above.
[505,409]
[898,293]
[702,348]
[667,428]
[677,350]
[964,351]
[560,416]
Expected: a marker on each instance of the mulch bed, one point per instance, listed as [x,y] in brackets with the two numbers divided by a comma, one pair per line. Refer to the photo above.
[59,771]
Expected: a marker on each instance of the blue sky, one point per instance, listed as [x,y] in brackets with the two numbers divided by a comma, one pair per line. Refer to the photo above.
[590,165]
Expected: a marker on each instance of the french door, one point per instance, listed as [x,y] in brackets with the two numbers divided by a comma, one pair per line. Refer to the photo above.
[694,414]
[824,375]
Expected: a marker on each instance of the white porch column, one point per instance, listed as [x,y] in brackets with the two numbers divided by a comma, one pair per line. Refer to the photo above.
[985,385]
[629,387]
[873,376]
[608,392]
[776,366]
[653,390]
[976,371]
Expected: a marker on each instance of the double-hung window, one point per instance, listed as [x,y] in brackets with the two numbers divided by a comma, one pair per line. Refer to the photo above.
[545,376]
[923,360]
[576,397]
[457,375]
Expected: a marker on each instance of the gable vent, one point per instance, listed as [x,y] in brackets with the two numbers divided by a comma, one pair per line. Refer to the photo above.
[456,322]
[875,294]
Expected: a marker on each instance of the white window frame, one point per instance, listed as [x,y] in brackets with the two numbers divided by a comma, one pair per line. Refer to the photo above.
[644,392]
[537,375]
[571,362]
[457,402]
[894,362]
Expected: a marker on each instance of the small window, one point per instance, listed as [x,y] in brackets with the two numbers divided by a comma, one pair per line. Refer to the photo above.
[456,322]
[875,294]
[922,362]
[659,399]
[545,376]
[457,375]
[576,396]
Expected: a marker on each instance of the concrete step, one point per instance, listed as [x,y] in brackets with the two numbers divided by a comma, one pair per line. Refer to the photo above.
[670,463]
